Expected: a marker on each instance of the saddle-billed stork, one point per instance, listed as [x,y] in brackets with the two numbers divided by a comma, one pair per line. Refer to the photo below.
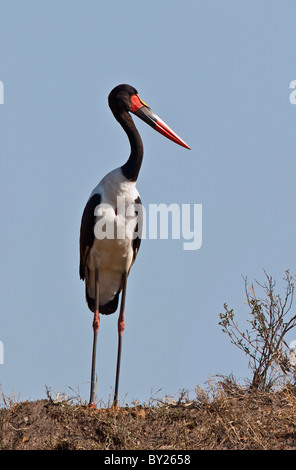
[105,262]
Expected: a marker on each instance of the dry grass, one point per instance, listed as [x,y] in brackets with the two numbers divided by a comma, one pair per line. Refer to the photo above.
[221,416]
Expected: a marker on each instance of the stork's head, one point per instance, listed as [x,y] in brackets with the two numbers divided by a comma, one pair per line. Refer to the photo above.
[125,98]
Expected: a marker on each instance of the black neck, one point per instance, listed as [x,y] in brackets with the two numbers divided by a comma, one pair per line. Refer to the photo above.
[132,167]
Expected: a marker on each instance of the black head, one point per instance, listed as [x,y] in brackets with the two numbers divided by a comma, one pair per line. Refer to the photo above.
[124,99]
[120,98]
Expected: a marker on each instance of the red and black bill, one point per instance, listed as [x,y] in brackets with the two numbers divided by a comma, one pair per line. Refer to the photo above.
[142,110]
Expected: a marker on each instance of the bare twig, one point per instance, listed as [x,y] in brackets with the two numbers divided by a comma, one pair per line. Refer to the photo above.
[270,320]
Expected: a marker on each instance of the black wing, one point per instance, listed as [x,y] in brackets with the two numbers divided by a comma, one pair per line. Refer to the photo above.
[138,229]
[87,235]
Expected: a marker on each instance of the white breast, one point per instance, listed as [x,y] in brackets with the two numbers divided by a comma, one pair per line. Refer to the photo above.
[112,256]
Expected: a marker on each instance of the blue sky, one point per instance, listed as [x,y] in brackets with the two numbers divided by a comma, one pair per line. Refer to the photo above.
[218,73]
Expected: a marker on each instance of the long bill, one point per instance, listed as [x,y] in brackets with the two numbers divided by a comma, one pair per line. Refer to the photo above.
[140,109]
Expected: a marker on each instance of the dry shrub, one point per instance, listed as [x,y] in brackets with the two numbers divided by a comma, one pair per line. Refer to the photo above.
[263,340]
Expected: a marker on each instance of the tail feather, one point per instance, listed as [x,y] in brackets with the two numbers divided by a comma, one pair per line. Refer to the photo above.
[106,309]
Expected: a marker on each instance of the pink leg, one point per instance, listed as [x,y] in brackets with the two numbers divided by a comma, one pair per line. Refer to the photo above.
[96,322]
[121,326]
[95,325]
[121,323]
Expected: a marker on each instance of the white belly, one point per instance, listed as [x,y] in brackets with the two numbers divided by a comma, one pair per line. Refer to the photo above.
[111,255]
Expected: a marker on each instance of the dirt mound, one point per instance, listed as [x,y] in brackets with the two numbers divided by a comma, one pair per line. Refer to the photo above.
[235,421]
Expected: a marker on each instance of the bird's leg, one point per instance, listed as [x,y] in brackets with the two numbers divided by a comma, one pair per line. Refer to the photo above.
[121,326]
[95,325]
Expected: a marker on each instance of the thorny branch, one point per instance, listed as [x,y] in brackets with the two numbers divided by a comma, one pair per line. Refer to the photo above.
[264,342]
